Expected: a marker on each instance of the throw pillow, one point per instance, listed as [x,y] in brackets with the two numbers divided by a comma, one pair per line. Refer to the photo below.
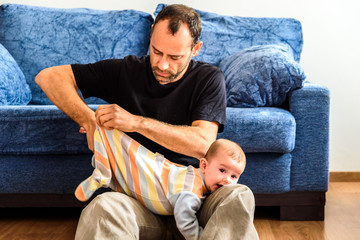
[13,87]
[261,76]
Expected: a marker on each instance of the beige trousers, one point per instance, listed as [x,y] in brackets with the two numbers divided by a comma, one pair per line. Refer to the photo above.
[226,214]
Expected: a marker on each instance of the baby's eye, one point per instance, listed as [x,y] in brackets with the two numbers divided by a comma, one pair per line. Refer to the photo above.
[222,170]
[234,177]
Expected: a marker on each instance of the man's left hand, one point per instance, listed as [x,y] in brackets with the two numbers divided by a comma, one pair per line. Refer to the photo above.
[113,116]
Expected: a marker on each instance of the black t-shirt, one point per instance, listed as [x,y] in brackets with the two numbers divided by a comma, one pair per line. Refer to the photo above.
[130,83]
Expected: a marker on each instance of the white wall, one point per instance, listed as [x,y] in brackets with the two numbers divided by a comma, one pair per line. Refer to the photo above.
[330,54]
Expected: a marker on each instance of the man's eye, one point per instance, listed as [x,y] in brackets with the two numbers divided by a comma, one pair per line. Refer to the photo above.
[175,58]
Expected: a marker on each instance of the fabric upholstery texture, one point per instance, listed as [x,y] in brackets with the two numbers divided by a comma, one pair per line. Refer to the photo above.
[267,172]
[260,129]
[43,173]
[13,88]
[261,76]
[310,165]
[40,129]
[225,35]
[40,37]
[46,130]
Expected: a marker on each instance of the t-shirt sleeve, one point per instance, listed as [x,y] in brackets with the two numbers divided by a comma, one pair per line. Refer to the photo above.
[93,79]
[211,104]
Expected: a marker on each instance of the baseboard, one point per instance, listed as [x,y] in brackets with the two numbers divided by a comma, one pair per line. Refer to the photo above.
[344,176]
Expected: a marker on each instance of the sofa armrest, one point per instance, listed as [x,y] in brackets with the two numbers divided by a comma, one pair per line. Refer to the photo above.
[310,106]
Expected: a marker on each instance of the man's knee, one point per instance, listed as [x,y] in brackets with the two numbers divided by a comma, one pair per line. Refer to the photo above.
[231,192]
[109,203]
[229,198]
[108,216]
[241,195]
[240,192]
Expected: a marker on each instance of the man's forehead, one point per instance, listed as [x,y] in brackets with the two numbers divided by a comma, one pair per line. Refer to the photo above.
[161,29]
[165,42]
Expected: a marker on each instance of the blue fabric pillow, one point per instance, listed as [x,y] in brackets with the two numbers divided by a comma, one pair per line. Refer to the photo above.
[261,76]
[227,35]
[13,87]
[40,37]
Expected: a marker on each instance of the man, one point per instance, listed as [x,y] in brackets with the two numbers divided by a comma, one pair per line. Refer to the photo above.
[171,105]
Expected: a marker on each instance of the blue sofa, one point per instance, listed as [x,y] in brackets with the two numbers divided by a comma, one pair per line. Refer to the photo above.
[279,117]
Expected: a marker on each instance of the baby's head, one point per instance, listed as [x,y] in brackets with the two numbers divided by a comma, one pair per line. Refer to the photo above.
[223,164]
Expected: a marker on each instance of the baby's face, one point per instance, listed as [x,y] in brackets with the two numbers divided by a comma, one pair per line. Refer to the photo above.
[222,170]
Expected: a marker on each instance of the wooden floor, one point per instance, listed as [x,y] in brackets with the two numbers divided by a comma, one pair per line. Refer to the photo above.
[342,220]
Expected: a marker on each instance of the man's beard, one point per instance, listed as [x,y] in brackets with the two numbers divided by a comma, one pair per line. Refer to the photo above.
[168,79]
[172,75]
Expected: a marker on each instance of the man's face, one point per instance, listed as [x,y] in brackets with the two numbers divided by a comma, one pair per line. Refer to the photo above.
[170,55]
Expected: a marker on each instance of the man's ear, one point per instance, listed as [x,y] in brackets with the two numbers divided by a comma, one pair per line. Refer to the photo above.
[203,165]
[196,48]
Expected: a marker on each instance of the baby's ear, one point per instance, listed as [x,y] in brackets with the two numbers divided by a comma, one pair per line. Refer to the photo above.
[203,164]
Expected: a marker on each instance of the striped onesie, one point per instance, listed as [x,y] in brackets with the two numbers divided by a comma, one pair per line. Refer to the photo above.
[163,187]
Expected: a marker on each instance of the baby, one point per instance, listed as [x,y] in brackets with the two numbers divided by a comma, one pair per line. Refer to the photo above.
[163,187]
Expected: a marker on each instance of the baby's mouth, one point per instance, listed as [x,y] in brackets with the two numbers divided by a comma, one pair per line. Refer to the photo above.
[219,185]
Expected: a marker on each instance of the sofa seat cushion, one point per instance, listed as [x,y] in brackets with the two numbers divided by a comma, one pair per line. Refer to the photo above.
[273,176]
[39,130]
[40,37]
[260,129]
[53,174]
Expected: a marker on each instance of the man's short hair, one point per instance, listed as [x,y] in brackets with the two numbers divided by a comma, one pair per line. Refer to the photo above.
[177,14]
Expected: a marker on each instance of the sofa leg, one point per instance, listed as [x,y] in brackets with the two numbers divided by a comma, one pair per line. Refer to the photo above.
[295,206]
[302,213]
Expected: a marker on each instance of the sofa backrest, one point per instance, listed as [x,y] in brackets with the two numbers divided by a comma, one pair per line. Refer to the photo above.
[40,37]
[227,35]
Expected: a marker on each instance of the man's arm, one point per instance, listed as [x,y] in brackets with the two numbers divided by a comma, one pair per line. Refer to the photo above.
[59,85]
[192,140]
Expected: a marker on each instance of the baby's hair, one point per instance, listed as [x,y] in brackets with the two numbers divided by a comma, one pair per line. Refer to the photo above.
[232,149]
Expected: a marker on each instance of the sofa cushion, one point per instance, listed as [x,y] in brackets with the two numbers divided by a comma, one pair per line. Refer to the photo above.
[272,177]
[40,37]
[42,173]
[39,129]
[47,130]
[261,76]
[260,129]
[13,88]
[226,35]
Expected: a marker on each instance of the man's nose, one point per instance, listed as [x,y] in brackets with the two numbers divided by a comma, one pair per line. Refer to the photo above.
[163,63]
